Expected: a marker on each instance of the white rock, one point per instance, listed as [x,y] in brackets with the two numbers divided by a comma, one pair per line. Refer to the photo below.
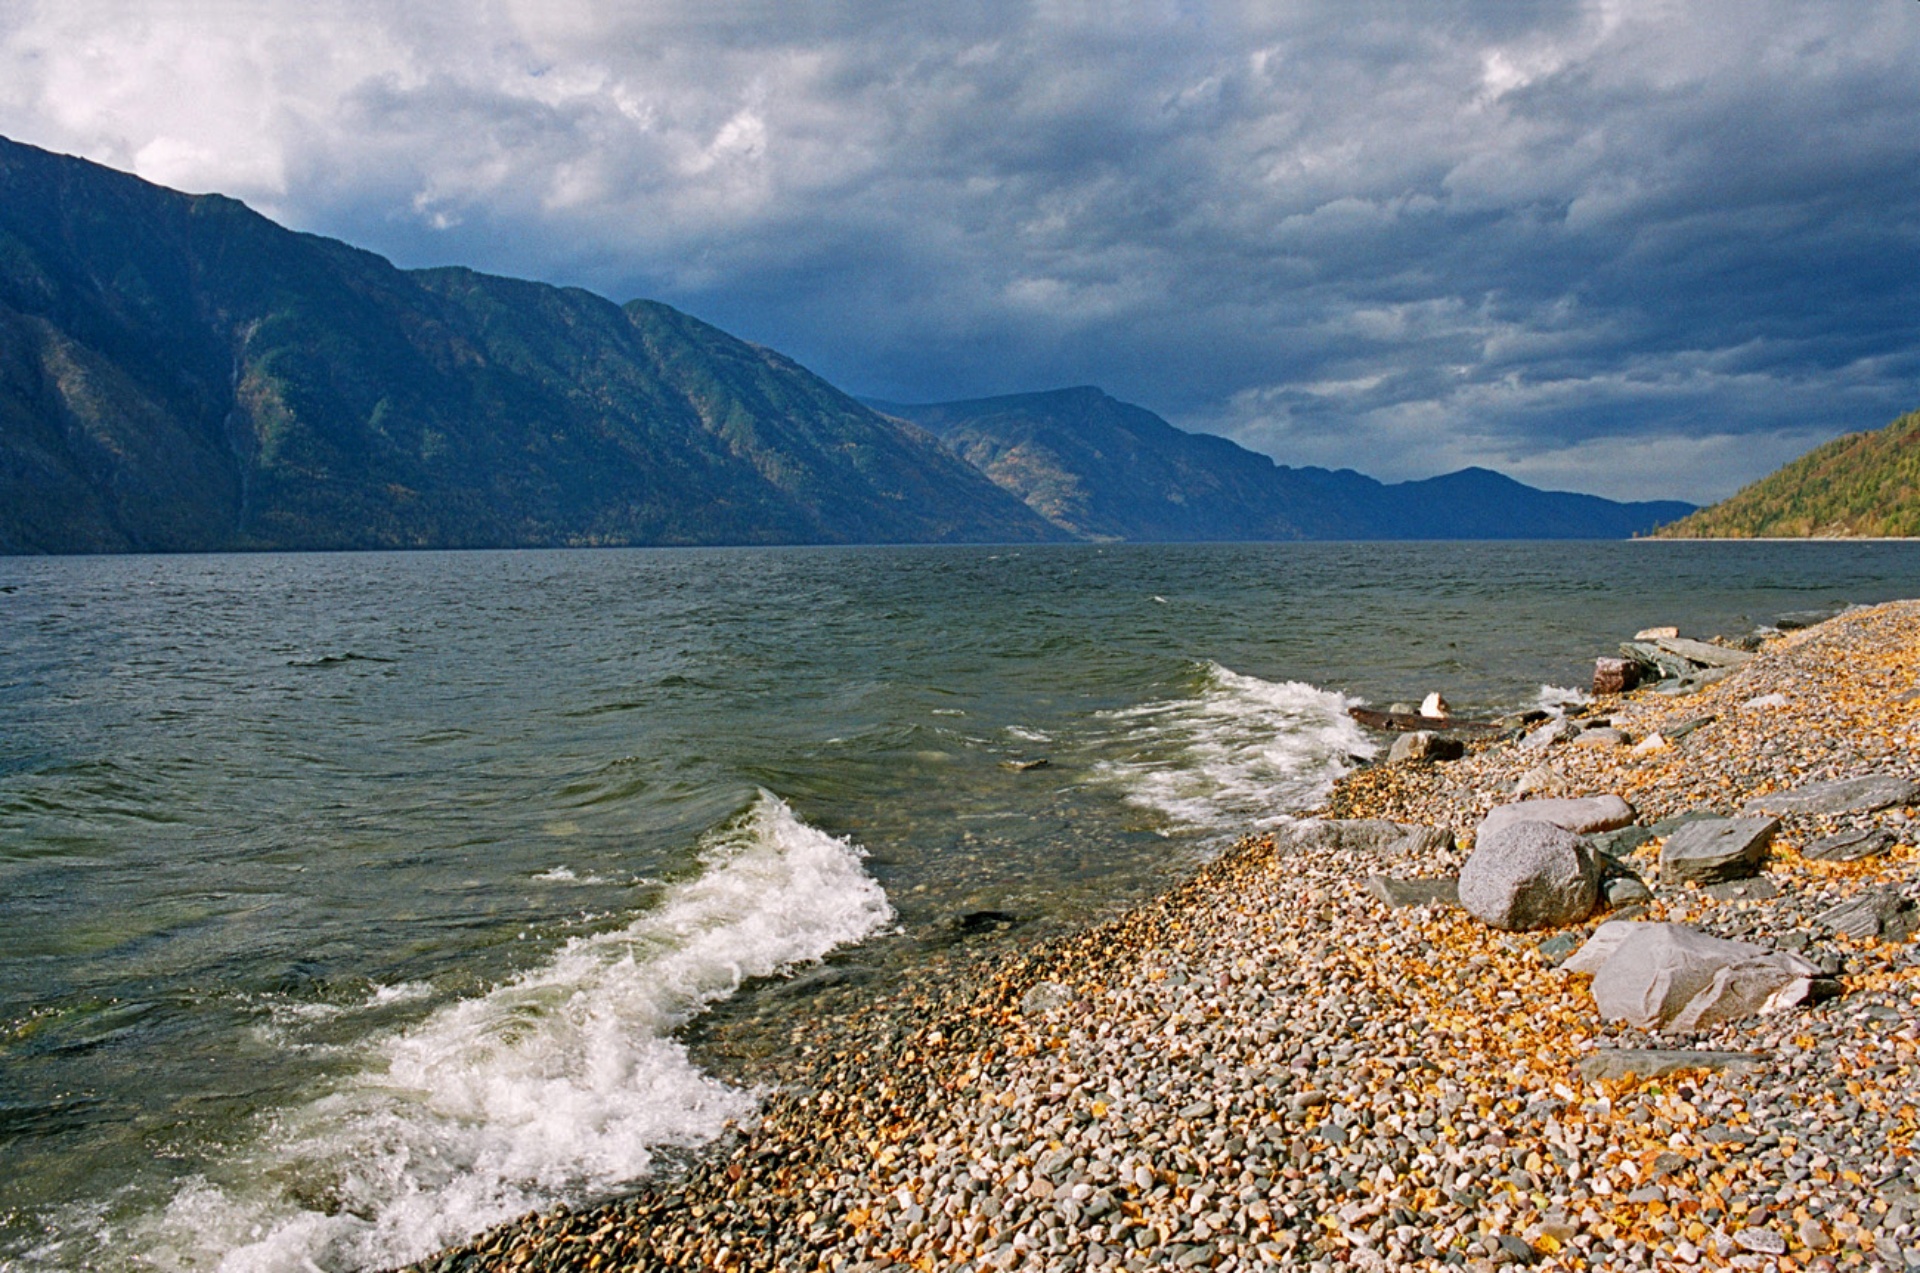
[1668,976]
[1541,779]
[1599,948]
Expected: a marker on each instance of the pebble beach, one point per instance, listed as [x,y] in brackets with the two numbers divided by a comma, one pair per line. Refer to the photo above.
[1272,1065]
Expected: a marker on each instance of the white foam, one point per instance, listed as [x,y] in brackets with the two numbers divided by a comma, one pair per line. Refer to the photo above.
[567,875]
[1557,699]
[1241,755]
[559,1084]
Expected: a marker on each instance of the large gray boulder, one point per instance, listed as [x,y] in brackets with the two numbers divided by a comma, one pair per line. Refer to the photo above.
[1530,875]
[1844,795]
[1581,814]
[1711,850]
[1668,976]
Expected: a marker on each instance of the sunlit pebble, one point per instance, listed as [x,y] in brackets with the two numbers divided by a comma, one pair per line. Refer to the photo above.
[1181,1105]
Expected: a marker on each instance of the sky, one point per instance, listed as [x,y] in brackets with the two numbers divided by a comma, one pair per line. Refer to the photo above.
[1641,248]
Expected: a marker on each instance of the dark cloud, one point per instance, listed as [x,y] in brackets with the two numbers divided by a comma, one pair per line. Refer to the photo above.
[1617,247]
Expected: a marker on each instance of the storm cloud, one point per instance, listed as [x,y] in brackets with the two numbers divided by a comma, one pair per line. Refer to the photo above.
[1641,249]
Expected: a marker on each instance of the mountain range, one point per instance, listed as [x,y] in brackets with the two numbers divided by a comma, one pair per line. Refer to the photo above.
[1105,470]
[179,373]
[1863,484]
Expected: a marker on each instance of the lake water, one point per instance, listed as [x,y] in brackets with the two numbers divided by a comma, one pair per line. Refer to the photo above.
[352,903]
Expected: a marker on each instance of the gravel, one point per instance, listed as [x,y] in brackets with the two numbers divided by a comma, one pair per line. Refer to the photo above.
[1269,1066]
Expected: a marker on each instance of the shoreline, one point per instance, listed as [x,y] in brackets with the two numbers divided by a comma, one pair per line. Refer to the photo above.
[1266,1066]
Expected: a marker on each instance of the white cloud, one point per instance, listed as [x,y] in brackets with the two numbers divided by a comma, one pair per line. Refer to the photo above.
[1479,232]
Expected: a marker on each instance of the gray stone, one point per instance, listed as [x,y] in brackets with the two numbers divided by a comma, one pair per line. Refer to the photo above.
[1845,795]
[1424,744]
[1605,736]
[1439,890]
[1654,1063]
[1530,875]
[1376,836]
[1619,843]
[1625,890]
[1580,815]
[1518,1248]
[1850,846]
[1547,735]
[1667,976]
[1657,660]
[1756,889]
[1679,727]
[1716,849]
[1793,620]
[1694,682]
[1667,826]
[1760,1241]
[1881,914]
[1558,946]
[1045,997]
[1703,653]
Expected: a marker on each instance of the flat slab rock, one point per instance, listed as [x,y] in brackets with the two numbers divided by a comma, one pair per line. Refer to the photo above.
[1580,815]
[1758,888]
[1669,976]
[1844,795]
[1437,890]
[1712,850]
[1882,914]
[1704,653]
[1654,1063]
[1849,846]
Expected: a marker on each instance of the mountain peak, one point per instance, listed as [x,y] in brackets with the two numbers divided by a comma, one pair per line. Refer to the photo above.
[239,385]
[1106,469]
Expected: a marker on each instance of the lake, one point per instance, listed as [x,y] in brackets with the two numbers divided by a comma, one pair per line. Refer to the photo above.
[350,903]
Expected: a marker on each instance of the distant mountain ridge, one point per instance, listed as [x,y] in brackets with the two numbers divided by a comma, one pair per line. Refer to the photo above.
[179,373]
[1103,469]
[1860,485]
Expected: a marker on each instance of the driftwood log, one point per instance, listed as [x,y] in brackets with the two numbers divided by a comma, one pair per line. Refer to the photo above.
[1409,720]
